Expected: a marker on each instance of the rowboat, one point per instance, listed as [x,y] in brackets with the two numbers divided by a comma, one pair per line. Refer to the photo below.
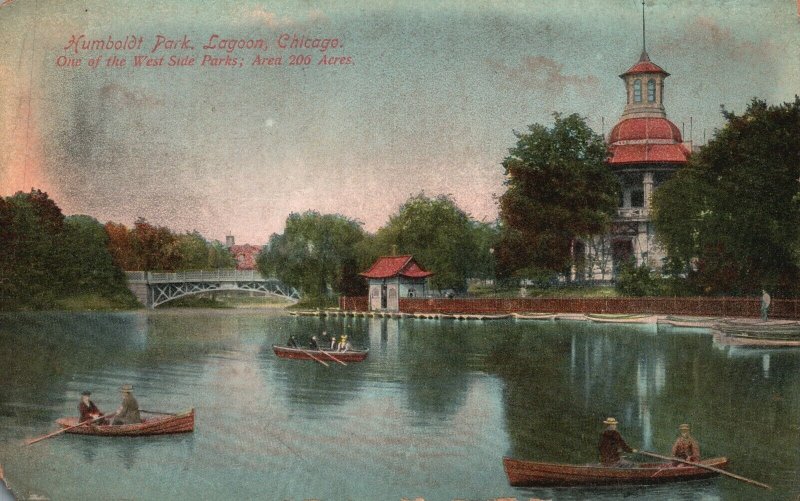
[534,474]
[689,322]
[534,316]
[302,354]
[161,425]
[622,318]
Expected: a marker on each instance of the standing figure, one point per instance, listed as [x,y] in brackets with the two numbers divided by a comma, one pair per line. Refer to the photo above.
[686,447]
[88,410]
[765,302]
[128,412]
[611,444]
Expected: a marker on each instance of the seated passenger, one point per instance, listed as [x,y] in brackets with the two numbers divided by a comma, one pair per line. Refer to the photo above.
[312,345]
[292,342]
[88,410]
[686,447]
[128,412]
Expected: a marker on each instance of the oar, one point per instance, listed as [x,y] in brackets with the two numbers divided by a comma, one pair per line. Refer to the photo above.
[700,465]
[59,432]
[331,356]
[157,412]
[313,357]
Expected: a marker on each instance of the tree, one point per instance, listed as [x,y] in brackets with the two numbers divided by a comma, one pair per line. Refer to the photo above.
[730,216]
[440,235]
[559,189]
[316,253]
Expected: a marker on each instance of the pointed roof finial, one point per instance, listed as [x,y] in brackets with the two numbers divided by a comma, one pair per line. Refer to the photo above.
[644,45]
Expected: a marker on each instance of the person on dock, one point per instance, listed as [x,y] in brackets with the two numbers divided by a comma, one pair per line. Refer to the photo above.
[686,447]
[292,342]
[765,302]
[612,444]
[128,412]
[88,410]
[312,345]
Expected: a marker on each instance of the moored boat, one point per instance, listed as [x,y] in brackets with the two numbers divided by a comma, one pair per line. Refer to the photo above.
[757,333]
[622,318]
[535,474]
[161,425]
[689,322]
[534,316]
[325,355]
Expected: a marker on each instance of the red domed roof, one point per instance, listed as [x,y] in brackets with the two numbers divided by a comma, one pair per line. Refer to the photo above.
[633,129]
[646,140]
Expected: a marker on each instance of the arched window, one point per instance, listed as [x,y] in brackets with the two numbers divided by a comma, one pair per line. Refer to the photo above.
[637,91]
[651,91]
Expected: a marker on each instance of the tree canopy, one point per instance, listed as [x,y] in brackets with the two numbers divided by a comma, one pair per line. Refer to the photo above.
[441,236]
[316,253]
[730,217]
[559,189]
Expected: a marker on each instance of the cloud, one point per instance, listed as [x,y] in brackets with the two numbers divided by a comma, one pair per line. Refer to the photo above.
[542,73]
[704,34]
[272,20]
[115,93]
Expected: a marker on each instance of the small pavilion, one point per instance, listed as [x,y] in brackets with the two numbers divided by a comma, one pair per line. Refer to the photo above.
[393,277]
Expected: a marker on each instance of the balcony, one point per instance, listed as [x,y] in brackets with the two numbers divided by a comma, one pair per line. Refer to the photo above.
[633,213]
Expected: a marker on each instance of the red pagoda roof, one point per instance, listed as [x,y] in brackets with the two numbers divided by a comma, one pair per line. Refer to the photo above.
[392,266]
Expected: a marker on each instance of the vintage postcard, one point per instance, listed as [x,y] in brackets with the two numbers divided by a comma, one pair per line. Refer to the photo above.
[388,250]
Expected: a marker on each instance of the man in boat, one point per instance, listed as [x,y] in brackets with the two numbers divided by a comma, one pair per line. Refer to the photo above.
[333,342]
[686,447]
[89,410]
[292,342]
[128,412]
[312,345]
[612,444]
[765,302]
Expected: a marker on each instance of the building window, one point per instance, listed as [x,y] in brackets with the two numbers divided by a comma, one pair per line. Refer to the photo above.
[637,198]
[637,91]
[651,91]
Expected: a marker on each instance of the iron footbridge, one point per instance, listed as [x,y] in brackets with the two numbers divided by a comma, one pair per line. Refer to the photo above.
[153,288]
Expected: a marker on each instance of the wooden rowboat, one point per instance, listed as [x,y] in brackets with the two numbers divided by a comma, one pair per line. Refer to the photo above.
[161,425]
[621,318]
[533,474]
[303,354]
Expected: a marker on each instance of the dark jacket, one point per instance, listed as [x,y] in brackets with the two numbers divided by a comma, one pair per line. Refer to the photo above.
[312,345]
[686,448]
[86,411]
[611,443]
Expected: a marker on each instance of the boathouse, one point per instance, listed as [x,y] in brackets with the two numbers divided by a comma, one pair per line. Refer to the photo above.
[393,277]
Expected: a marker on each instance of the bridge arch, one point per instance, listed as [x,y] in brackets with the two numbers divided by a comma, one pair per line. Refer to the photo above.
[154,289]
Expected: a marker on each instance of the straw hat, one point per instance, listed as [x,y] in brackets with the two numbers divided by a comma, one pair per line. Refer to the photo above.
[684,426]
[610,420]
[126,388]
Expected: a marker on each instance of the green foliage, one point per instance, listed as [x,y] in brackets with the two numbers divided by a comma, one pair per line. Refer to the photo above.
[638,281]
[730,217]
[48,258]
[316,253]
[441,237]
[559,188]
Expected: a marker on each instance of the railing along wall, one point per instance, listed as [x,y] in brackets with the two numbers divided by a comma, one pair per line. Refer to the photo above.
[687,306]
[194,275]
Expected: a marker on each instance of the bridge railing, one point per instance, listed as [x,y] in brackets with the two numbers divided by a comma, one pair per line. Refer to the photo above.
[195,276]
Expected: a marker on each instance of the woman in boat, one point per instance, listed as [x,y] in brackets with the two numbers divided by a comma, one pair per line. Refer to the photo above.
[686,447]
[345,345]
[312,345]
[128,412]
[612,444]
[88,410]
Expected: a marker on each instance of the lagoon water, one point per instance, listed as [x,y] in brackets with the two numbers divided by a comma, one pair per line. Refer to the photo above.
[430,413]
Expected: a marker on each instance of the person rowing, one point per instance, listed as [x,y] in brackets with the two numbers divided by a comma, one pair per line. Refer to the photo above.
[88,410]
[612,444]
